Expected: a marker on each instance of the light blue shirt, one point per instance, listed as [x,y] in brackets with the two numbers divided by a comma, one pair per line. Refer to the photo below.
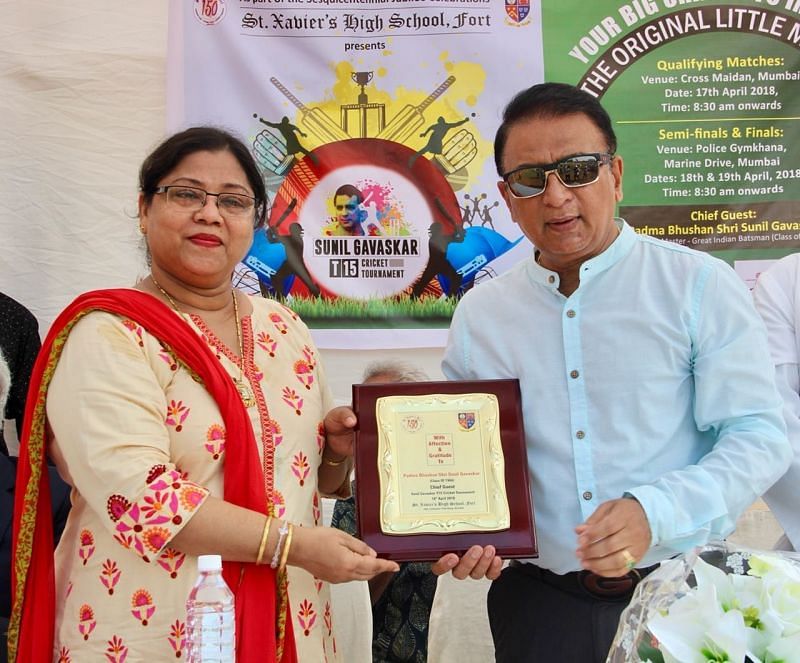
[777,299]
[652,379]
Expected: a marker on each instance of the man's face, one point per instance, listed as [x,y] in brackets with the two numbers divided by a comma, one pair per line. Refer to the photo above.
[347,211]
[567,225]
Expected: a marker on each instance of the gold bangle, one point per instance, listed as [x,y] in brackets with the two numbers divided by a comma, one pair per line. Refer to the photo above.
[264,537]
[333,463]
[286,546]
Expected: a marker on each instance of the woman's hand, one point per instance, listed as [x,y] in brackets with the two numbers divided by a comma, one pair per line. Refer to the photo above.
[332,555]
[339,425]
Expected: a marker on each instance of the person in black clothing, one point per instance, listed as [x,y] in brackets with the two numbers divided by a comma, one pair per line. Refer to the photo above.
[59,496]
[19,343]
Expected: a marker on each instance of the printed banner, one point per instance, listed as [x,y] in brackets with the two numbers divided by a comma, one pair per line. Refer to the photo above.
[372,122]
[705,102]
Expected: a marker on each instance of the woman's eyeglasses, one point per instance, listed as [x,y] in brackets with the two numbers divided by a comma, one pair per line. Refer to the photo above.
[192,199]
[574,171]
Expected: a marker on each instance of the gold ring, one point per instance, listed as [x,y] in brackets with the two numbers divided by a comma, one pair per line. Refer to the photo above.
[630,561]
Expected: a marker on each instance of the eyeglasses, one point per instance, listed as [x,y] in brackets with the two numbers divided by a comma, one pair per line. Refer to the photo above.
[575,171]
[192,199]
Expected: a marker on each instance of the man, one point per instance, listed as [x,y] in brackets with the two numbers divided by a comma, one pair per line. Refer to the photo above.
[651,414]
[349,213]
[777,299]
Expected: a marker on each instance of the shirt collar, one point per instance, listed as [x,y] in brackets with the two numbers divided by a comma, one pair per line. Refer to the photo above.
[615,252]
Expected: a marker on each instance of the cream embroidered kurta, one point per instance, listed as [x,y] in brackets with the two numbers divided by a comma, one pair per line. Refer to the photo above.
[143,444]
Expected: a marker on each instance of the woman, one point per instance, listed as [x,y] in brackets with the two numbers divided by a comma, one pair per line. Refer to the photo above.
[188,419]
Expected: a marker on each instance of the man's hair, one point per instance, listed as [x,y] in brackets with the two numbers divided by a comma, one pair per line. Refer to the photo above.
[349,190]
[547,101]
[395,371]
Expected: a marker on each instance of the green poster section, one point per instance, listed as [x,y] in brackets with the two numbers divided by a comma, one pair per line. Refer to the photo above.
[705,99]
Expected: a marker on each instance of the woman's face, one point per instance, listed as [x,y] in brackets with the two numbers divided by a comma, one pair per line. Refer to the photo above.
[198,248]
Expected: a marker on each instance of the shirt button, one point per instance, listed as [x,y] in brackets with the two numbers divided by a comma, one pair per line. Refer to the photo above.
[587,495]
[580,434]
[551,279]
[574,374]
[571,313]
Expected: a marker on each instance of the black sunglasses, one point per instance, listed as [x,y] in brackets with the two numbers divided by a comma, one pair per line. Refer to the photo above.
[579,170]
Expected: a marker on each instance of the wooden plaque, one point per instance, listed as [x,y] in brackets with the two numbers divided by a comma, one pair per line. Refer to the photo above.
[442,466]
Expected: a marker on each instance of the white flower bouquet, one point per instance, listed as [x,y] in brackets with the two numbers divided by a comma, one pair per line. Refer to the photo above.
[716,604]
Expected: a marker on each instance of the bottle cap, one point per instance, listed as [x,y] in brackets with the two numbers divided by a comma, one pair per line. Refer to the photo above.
[209,563]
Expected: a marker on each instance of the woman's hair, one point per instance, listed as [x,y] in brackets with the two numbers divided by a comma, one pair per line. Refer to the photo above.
[174,149]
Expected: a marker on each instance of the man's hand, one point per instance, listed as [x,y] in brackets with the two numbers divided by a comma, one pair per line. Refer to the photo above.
[477,563]
[614,535]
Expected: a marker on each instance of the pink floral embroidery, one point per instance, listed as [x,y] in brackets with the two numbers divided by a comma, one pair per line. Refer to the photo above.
[315,508]
[293,400]
[321,435]
[116,505]
[308,355]
[176,414]
[69,588]
[64,656]
[86,622]
[117,650]
[278,503]
[131,326]
[155,472]
[171,561]
[177,637]
[306,616]
[143,526]
[328,618]
[304,372]
[167,357]
[272,426]
[110,575]
[267,343]
[317,584]
[280,325]
[216,441]
[300,466]
[87,547]
[191,497]
[142,605]
[155,538]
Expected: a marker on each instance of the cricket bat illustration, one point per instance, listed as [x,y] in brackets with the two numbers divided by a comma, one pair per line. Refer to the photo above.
[409,120]
[318,123]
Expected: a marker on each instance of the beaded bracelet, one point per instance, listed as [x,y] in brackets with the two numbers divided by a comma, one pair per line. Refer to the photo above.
[264,537]
[281,536]
[285,554]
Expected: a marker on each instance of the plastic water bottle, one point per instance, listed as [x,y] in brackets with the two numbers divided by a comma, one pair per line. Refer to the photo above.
[210,615]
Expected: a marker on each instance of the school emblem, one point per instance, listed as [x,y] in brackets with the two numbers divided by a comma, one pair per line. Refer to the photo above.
[411,423]
[466,420]
[210,12]
[518,10]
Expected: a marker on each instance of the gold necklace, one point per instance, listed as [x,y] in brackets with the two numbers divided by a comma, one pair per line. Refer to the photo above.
[244,390]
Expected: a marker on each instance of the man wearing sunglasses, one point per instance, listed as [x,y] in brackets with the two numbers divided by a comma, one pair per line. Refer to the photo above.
[651,416]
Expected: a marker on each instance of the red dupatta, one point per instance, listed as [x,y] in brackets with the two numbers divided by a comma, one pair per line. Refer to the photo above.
[261,634]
